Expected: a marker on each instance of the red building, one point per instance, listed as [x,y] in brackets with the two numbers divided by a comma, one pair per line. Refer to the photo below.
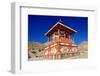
[60,44]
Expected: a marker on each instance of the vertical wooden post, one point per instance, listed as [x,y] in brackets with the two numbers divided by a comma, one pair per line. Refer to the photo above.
[59,55]
[59,32]
[64,35]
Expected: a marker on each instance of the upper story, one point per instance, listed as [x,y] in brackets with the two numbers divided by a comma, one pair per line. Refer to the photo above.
[60,33]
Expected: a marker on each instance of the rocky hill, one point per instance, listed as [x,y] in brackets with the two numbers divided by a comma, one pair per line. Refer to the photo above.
[83,46]
[83,49]
[35,50]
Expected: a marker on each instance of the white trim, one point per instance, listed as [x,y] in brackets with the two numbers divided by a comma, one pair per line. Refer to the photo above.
[46,48]
[74,45]
[67,27]
[51,28]
[53,45]
[56,36]
[62,25]
[64,44]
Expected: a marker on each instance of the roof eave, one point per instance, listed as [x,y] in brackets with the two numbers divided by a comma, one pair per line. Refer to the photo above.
[50,29]
[62,25]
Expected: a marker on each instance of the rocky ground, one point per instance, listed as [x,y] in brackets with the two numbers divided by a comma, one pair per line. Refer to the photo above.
[35,50]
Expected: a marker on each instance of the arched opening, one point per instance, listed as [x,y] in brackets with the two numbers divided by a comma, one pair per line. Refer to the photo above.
[53,53]
[64,51]
[74,49]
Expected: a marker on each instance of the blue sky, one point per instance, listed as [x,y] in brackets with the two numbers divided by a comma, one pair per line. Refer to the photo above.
[38,25]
